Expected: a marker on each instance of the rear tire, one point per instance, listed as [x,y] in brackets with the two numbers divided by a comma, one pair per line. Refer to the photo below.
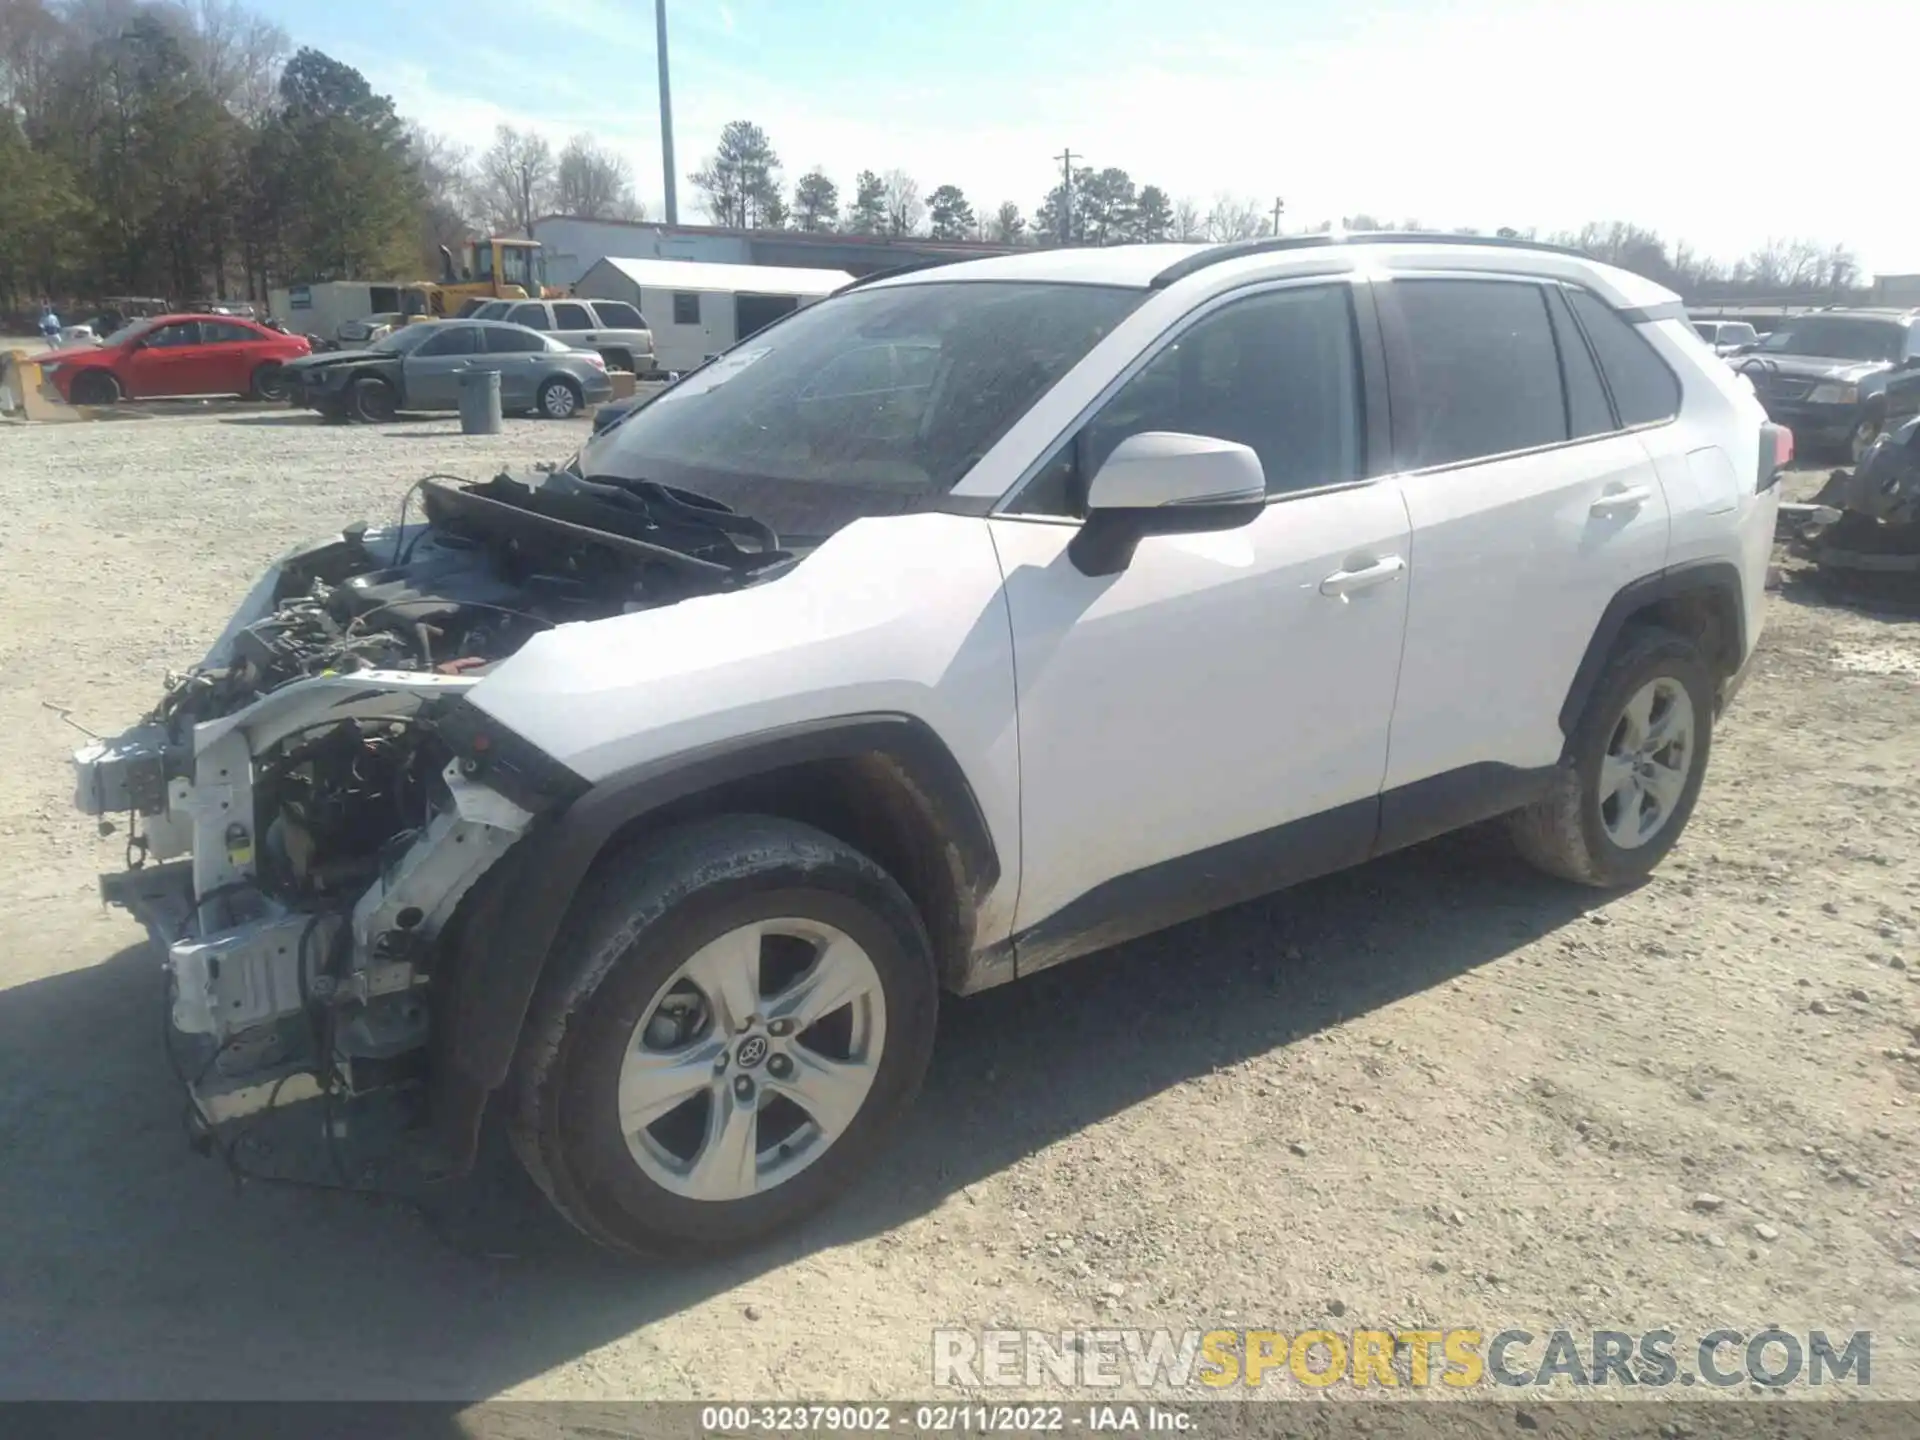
[269,383]
[559,399]
[632,981]
[95,387]
[1620,804]
[617,360]
[371,401]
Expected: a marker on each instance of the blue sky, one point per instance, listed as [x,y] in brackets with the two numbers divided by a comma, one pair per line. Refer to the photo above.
[1720,121]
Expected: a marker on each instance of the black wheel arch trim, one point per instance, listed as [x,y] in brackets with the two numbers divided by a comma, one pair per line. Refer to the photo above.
[483,987]
[1718,577]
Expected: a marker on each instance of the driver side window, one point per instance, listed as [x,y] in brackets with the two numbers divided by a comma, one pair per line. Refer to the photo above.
[1278,372]
[170,337]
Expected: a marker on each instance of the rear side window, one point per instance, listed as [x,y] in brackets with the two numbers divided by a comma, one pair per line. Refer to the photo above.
[618,315]
[1644,390]
[1485,372]
[504,341]
[534,315]
[571,317]
[1587,409]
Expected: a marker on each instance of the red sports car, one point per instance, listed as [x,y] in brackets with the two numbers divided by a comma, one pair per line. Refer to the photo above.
[175,355]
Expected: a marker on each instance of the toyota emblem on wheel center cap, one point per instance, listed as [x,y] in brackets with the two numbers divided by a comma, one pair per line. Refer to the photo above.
[752,1051]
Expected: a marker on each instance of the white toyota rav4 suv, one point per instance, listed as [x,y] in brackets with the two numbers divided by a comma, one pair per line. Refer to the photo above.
[653,798]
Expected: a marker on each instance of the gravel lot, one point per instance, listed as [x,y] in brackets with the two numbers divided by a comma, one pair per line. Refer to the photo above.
[1436,1091]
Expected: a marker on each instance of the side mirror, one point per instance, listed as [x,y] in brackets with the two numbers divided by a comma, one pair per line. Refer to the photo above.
[1161,482]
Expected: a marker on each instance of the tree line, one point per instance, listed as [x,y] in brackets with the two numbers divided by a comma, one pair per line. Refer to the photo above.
[185,149]
[741,186]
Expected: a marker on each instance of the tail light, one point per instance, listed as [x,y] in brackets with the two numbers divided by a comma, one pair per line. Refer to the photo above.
[1776,454]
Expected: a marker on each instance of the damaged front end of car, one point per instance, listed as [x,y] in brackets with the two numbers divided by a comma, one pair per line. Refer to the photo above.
[309,806]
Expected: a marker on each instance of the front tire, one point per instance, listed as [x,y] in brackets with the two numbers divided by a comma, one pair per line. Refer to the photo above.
[1638,756]
[95,387]
[735,1017]
[372,401]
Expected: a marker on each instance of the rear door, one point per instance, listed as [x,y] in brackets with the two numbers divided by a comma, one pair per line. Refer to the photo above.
[432,371]
[516,354]
[233,350]
[1531,508]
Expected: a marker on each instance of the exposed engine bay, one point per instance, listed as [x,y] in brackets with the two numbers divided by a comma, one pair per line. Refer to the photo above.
[306,808]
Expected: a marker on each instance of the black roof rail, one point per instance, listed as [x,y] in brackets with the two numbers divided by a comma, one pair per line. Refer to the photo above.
[1234,250]
[905,269]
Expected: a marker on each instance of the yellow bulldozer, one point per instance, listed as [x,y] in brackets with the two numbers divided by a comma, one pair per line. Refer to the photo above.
[499,267]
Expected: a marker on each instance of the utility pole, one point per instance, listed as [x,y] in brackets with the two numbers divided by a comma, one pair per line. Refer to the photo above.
[1066,157]
[666,111]
[1279,207]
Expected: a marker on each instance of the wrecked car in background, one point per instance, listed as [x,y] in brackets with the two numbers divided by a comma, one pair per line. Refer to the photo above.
[1824,375]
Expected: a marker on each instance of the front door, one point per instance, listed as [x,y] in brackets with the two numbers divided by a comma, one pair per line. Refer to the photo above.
[432,372]
[1211,722]
[170,360]
[1532,506]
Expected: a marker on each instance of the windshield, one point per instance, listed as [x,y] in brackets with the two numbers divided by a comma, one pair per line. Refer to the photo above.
[896,390]
[1830,337]
[399,342]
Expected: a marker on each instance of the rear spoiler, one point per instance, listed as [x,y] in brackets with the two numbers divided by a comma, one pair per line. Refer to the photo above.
[1776,453]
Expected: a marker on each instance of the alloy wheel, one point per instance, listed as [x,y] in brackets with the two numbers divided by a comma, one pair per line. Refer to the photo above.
[752,1060]
[1649,755]
[558,401]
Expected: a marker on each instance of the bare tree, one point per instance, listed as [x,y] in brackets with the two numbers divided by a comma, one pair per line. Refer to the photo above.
[516,183]
[237,54]
[594,183]
[1188,223]
[1234,217]
[900,194]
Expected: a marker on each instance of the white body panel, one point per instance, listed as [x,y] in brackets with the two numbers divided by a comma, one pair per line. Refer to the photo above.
[1512,570]
[1209,691]
[904,615]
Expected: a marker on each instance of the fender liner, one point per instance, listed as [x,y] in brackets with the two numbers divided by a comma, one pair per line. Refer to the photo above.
[1718,577]
[481,993]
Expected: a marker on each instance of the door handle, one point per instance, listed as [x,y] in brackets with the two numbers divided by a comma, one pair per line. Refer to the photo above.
[1620,502]
[1343,583]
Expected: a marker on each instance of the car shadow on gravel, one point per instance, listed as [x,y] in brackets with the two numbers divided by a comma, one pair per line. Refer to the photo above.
[137,1269]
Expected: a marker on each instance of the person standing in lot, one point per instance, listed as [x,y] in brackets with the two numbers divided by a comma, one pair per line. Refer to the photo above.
[49,325]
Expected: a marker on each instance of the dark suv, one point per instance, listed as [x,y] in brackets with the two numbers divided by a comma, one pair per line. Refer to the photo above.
[1825,374]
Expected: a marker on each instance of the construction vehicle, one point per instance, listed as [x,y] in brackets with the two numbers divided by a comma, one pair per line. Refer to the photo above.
[500,267]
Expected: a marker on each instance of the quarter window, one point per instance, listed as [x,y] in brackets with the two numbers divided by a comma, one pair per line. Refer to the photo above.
[1277,372]
[1485,372]
[686,308]
[1644,390]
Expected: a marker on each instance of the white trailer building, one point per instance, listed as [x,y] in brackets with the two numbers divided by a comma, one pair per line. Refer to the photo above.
[696,309]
